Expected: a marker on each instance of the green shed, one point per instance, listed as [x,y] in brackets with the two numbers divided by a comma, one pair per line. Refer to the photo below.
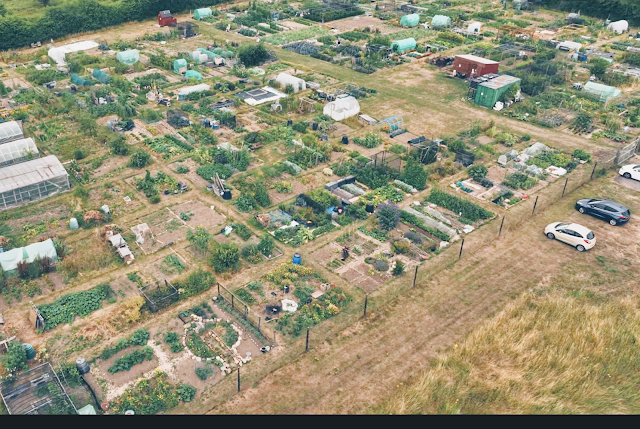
[101,76]
[180,65]
[410,20]
[602,92]
[404,45]
[441,21]
[129,57]
[488,93]
[200,14]
[192,74]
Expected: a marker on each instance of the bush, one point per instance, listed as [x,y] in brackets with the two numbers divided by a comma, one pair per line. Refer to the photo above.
[119,146]
[400,246]
[525,137]
[398,269]
[415,175]
[581,155]
[369,141]
[253,55]
[140,159]
[388,216]
[266,244]
[186,393]
[415,238]
[15,359]
[381,265]
[182,169]
[477,171]
[204,373]
[225,257]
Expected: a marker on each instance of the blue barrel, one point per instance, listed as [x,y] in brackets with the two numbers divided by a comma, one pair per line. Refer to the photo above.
[297,259]
[215,126]
[30,351]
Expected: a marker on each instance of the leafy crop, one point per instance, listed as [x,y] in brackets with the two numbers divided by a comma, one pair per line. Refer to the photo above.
[126,362]
[65,309]
[468,209]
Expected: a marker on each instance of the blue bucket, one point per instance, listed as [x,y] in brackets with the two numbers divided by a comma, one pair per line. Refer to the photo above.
[297,259]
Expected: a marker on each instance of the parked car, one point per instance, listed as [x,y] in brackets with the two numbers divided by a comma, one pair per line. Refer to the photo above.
[631,171]
[612,212]
[580,237]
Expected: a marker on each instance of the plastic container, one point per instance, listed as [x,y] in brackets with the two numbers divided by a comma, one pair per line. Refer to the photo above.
[226,195]
[289,122]
[345,140]
[28,348]
[314,126]
[83,366]
[369,208]
[73,223]
[297,259]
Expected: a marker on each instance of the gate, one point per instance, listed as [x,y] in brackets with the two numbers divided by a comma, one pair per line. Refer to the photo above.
[626,152]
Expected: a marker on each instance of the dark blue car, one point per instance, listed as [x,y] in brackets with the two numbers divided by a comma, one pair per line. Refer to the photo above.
[612,212]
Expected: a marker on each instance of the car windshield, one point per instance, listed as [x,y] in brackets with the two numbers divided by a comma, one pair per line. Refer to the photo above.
[590,236]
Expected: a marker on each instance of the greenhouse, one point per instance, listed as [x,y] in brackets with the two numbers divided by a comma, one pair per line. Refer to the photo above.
[18,151]
[101,76]
[129,57]
[45,249]
[441,21]
[180,66]
[342,108]
[285,79]
[10,131]
[602,92]
[404,45]
[203,13]
[410,20]
[79,81]
[31,181]
[192,74]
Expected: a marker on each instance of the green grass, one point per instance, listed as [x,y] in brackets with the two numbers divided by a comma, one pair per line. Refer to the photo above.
[33,8]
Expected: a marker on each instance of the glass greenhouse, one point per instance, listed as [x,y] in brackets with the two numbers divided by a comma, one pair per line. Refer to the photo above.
[10,131]
[31,181]
[18,151]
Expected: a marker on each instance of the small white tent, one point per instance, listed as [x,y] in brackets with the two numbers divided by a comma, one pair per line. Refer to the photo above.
[474,28]
[285,79]
[344,107]
[618,27]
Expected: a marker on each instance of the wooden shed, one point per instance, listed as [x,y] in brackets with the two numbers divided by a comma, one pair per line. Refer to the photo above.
[166,19]
[473,66]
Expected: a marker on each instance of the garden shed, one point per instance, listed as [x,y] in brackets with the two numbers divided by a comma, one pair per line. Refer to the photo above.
[203,13]
[18,151]
[618,27]
[31,181]
[129,57]
[344,107]
[603,92]
[488,93]
[471,65]
[10,131]
[9,260]
[441,21]
[404,45]
[165,18]
[285,79]
[474,28]
[410,20]
[180,66]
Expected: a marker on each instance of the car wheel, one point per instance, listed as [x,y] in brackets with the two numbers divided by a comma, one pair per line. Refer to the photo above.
[581,210]
[613,222]
[580,248]
[627,175]
[551,236]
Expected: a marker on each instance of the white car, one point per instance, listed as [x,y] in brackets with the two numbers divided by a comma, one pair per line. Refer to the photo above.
[578,236]
[631,171]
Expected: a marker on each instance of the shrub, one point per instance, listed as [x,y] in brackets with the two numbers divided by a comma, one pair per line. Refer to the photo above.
[400,246]
[253,55]
[477,171]
[261,195]
[266,244]
[381,265]
[525,137]
[119,146]
[140,159]
[457,145]
[204,373]
[186,393]
[16,358]
[415,175]
[398,269]
[369,141]
[581,155]
[154,199]
[225,257]
[388,216]
[251,253]
[182,169]
[413,237]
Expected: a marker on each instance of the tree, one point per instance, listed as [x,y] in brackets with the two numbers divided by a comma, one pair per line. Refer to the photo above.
[415,175]
[510,93]
[225,257]
[253,55]
[186,393]
[119,146]
[261,196]
[140,159]
[388,216]
[598,67]
[44,3]
[265,246]
[477,171]
[584,120]
[16,358]
[3,10]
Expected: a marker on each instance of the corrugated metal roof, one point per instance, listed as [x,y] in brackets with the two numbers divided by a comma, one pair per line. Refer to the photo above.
[30,173]
[476,59]
[500,81]
[10,131]
[18,149]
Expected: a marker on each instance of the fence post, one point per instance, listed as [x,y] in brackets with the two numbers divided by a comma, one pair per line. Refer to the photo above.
[415,276]
[259,320]
[501,224]
[232,306]
[593,171]
[238,379]
[245,312]
[366,299]
[461,246]
[534,205]
[218,289]
[306,347]
[565,186]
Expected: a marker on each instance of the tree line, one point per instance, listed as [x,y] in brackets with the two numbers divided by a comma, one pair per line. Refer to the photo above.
[611,9]
[83,16]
